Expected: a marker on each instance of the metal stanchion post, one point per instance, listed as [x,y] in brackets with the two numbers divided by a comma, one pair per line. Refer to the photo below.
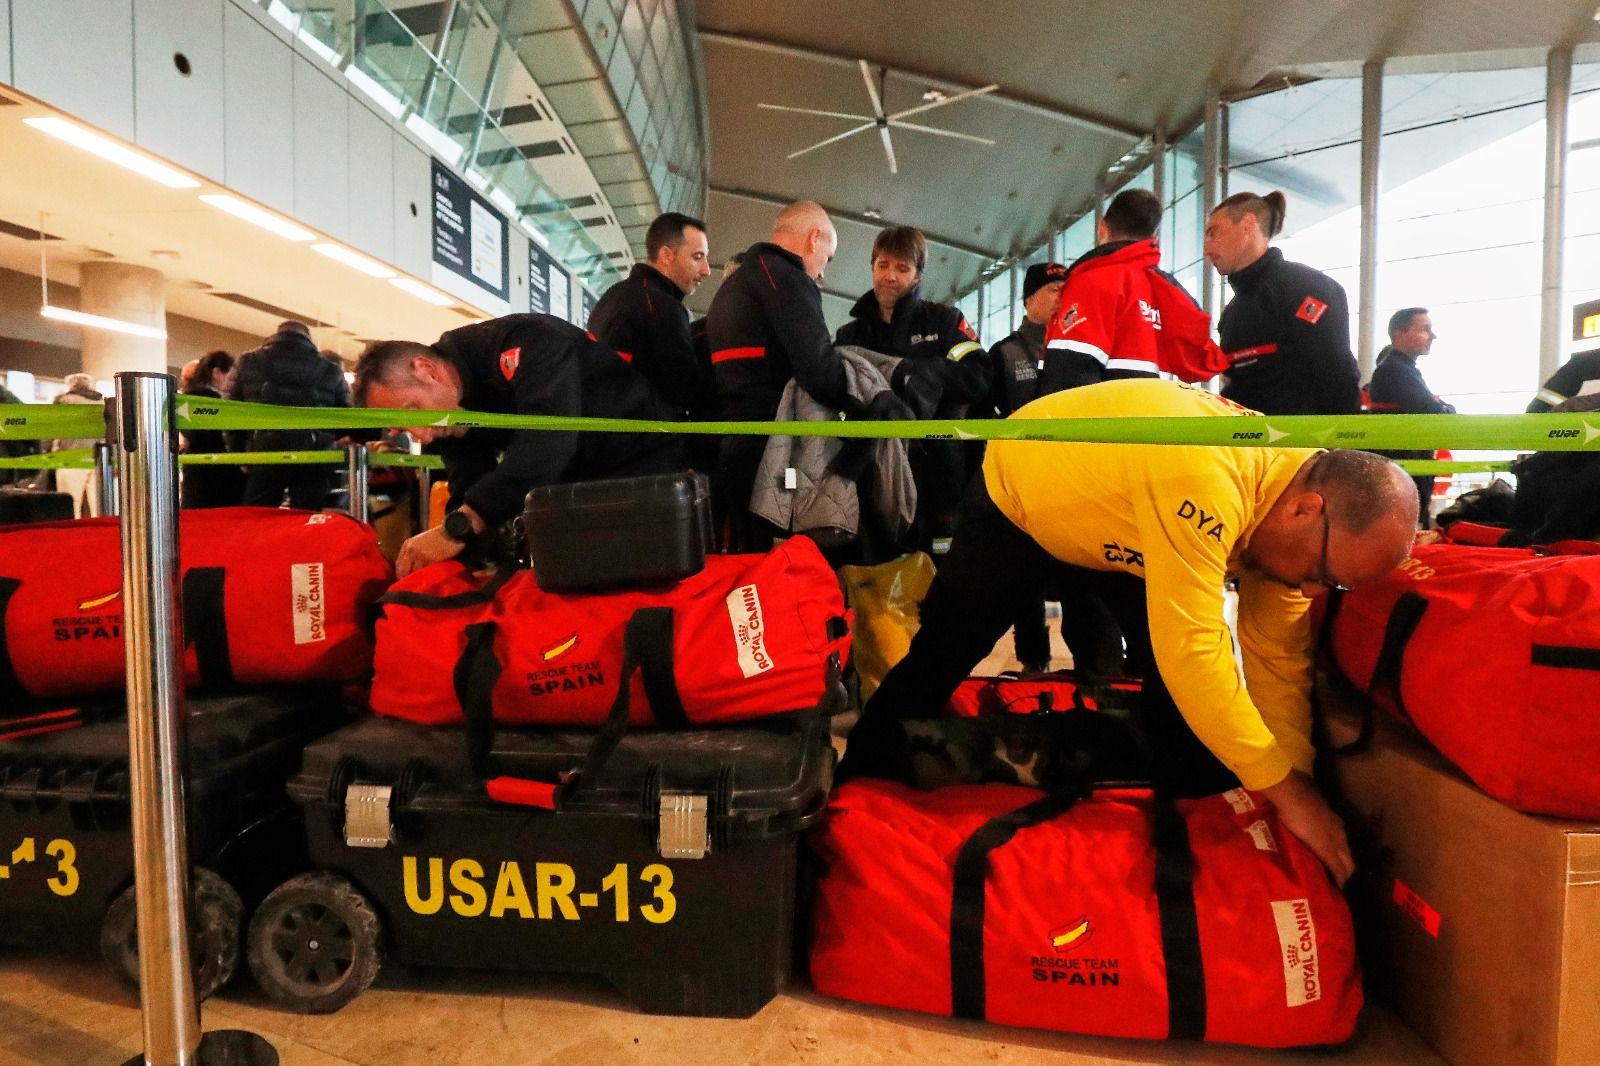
[424,497]
[145,431]
[355,471]
[105,477]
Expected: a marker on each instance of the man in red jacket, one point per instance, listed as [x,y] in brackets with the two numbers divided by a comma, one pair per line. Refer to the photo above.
[1121,315]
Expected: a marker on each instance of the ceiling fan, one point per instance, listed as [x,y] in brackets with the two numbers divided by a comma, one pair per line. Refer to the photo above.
[885,122]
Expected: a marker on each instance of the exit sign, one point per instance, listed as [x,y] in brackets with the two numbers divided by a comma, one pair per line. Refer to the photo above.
[1586,321]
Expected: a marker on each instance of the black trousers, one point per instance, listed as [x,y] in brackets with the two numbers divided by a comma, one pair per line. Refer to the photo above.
[307,486]
[992,574]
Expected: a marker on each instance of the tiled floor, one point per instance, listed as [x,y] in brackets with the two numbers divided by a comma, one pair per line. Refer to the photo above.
[56,1012]
[72,1012]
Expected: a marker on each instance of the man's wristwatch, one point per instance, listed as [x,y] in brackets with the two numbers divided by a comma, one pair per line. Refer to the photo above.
[458,527]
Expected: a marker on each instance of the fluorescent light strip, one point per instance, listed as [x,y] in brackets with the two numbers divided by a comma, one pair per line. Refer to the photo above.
[531,231]
[112,152]
[258,217]
[116,325]
[426,293]
[355,260]
[500,199]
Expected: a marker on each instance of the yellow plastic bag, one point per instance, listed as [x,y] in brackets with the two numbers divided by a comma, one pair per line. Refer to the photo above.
[885,599]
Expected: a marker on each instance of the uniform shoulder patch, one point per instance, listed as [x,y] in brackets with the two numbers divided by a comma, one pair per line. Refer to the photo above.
[510,359]
[966,330]
[1311,310]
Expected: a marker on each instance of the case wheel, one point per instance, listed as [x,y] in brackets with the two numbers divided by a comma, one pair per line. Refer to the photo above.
[314,943]
[217,917]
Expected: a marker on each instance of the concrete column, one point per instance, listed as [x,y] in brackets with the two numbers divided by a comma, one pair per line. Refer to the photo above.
[1371,149]
[130,293]
[1552,315]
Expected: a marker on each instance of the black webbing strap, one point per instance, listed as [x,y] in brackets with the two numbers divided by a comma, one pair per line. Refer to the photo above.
[1180,924]
[1404,617]
[205,623]
[10,687]
[474,679]
[968,986]
[646,646]
[474,598]
[1563,656]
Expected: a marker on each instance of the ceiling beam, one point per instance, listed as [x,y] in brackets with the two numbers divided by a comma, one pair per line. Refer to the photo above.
[988,255]
[1080,119]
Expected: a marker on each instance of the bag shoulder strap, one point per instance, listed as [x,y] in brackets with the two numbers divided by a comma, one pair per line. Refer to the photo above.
[1404,617]
[205,623]
[646,646]
[429,601]
[1174,885]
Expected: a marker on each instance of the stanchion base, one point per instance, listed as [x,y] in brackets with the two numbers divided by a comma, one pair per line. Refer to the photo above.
[228,1047]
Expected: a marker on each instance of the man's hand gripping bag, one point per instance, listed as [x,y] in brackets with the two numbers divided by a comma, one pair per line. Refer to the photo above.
[269,597]
[1115,915]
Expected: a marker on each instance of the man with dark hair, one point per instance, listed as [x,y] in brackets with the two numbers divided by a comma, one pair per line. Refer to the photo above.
[289,370]
[519,364]
[1286,331]
[1158,530]
[1121,315]
[643,318]
[765,327]
[1397,386]
[943,357]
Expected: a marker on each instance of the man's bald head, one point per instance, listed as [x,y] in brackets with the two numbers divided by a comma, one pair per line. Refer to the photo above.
[1347,519]
[805,229]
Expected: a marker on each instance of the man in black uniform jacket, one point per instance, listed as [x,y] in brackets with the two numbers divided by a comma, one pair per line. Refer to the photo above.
[942,351]
[1578,376]
[1397,386]
[766,327]
[1286,331]
[520,364]
[643,318]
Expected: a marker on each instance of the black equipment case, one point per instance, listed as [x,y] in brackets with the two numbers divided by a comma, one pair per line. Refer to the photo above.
[66,843]
[19,505]
[590,536]
[672,875]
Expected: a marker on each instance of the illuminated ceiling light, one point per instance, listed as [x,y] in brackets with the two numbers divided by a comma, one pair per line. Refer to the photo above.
[112,152]
[435,138]
[529,229]
[477,179]
[355,260]
[116,325]
[257,216]
[871,212]
[426,293]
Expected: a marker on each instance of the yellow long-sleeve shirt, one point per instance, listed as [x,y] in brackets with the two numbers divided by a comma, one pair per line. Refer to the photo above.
[1178,517]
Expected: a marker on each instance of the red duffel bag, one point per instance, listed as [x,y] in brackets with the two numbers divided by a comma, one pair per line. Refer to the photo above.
[269,596]
[748,636]
[1494,655]
[1118,915]
[1061,690]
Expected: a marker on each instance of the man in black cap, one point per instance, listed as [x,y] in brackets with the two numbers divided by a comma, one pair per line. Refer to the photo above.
[1019,358]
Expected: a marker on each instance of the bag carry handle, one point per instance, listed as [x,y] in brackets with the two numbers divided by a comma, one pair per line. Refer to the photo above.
[646,646]
[1404,617]
[429,601]
[1174,887]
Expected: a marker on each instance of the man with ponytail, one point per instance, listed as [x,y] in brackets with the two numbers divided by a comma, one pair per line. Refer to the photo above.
[1286,332]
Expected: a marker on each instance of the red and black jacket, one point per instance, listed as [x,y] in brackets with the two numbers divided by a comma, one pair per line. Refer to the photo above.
[643,318]
[766,327]
[1286,335]
[1121,316]
[540,365]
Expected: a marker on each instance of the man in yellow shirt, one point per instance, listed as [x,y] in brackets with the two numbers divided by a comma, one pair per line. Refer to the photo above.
[1157,530]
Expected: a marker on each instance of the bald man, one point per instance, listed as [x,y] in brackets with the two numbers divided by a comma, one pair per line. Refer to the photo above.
[766,327]
[1156,531]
